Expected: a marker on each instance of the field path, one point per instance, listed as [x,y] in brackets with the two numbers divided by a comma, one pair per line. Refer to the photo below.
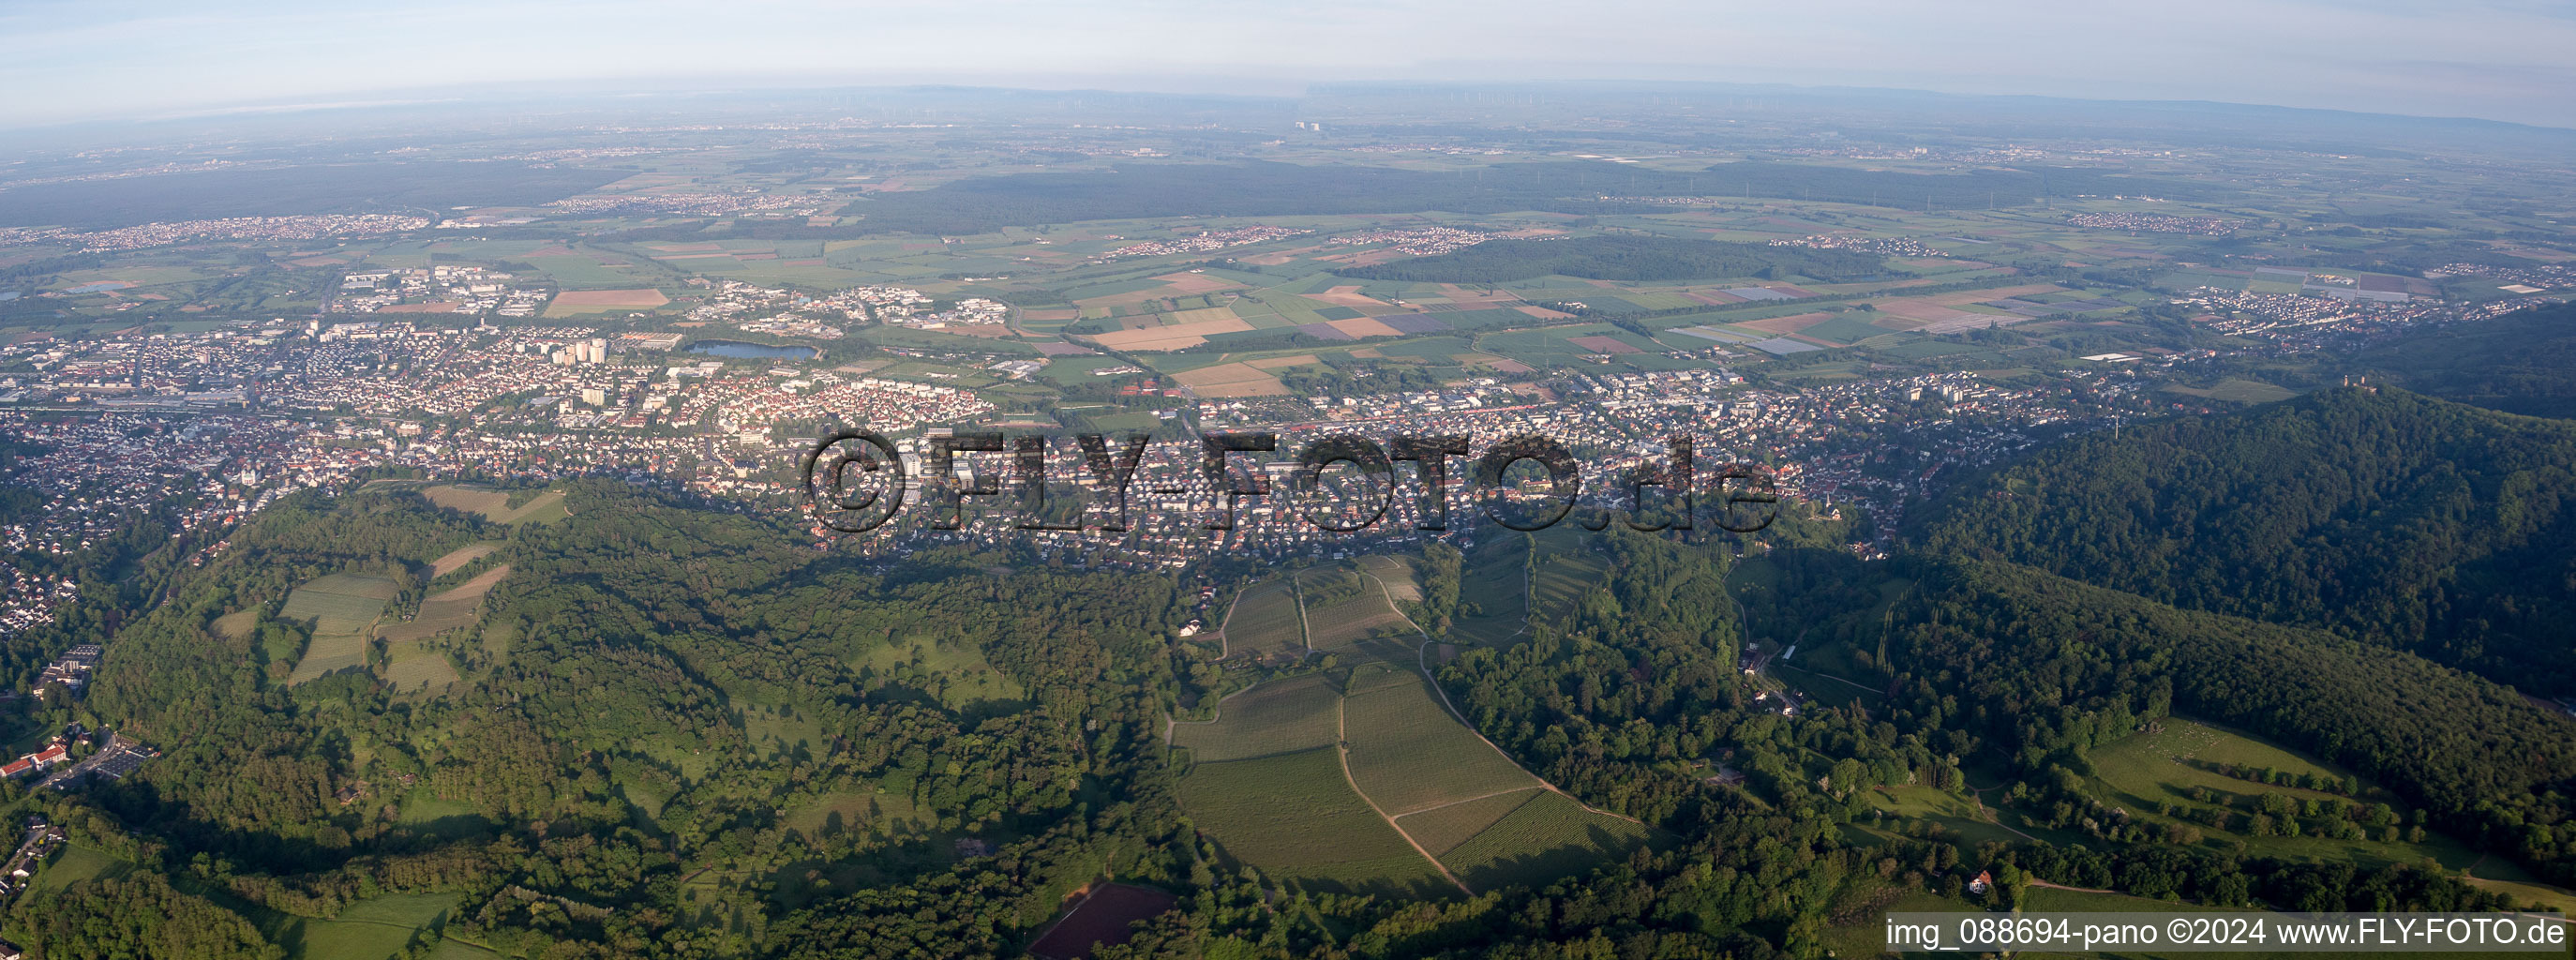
[1297,587]
[1473,799]
[1529,598]
[1422,661]
[1342,750]
[1977,795]
[2037,882]
[1224,640]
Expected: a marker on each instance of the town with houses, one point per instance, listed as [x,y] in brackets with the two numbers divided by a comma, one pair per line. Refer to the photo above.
[1204,241]
[1422,242]
[285,228]
[1883,246]
[215,425]
[454,370]
[2157,223]
[442,289]
[240,415]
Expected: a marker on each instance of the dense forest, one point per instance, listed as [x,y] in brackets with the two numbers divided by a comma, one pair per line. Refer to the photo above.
[2401,520]
[619,772]
[378,187]
[2045,669]
[626,655]
[1625,258]
[2523,362]
[631,650]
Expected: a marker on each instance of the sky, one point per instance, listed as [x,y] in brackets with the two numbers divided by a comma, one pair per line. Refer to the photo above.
[73,60]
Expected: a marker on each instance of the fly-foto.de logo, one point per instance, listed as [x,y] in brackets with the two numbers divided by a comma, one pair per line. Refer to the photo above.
[857,480]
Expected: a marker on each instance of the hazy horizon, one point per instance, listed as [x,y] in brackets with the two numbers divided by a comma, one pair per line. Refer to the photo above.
[2499,60]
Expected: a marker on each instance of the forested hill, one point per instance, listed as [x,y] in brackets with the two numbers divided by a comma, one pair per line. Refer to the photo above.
[2523,362]
[2398,519]
[313,188]
[650,689]
[2046,669]
[1624,258]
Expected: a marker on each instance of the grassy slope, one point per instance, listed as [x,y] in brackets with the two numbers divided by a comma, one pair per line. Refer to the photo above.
[343,608]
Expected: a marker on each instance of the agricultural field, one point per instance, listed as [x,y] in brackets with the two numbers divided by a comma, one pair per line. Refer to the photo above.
[1344,608]
[1279,716]
[1379,738]
[1396,574]
[413,668]
[1296,818]
[1393,723]
[343,608]
[1493,593]
[1265,620]
[1191,312]
[457,559]
[1563,569]
[410,664]
[1442,829]
[2235,390]
[452,609]
[1231,380]
[1547,837]
[1191,318]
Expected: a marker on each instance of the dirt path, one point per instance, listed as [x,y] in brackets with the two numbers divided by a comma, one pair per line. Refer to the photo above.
[1976,794]
[1342,750]
[2036,882]
[1297,588]
[1224,640]
[1489,796]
